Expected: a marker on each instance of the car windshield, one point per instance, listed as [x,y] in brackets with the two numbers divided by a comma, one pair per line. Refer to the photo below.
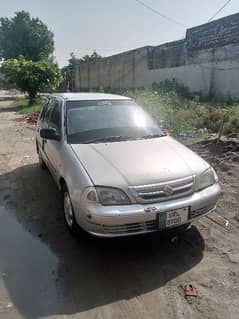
[108,121]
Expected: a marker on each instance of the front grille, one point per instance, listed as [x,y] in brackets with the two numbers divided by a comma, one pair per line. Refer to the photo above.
[131,228]
[163,191]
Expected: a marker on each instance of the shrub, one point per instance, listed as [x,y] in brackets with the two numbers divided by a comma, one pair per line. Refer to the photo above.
[31,77]
[182,114]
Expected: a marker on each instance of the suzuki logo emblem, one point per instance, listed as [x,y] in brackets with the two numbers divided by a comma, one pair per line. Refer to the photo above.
[168,190]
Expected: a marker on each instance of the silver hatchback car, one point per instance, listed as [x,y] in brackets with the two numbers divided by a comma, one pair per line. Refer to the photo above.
[118,172]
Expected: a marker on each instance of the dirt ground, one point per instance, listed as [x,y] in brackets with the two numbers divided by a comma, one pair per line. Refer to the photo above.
[45,273]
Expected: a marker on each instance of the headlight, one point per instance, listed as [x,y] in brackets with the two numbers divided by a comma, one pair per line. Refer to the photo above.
[207,178]
[105,196]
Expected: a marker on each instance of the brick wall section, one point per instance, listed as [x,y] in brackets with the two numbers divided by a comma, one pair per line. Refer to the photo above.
[206,37]
[214,34]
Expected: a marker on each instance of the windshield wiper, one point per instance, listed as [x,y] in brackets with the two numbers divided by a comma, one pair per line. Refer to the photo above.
[151,136]
[121,138]
[106,139]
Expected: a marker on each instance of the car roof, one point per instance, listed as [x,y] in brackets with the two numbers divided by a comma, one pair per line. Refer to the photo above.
[90,96]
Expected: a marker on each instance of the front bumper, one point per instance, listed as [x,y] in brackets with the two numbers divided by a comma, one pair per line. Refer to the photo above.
[124,220]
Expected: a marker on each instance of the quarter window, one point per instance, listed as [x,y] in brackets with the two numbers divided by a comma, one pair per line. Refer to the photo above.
[55,117]
[46,113]
[48,110]
[43,112]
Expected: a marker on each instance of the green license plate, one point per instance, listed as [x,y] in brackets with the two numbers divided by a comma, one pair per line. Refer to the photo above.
[173,218]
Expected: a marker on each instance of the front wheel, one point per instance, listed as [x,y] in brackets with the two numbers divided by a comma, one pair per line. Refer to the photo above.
[183,228]
[69,212]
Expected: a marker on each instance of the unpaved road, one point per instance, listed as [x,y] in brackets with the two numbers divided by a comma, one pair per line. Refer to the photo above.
[45,273]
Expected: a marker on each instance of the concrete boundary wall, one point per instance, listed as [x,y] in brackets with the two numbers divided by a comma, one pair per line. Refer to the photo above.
[206,62]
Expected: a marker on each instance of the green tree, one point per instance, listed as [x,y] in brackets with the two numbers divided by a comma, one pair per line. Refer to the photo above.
[31,77]
[73,62]
[26,36]
[90,58]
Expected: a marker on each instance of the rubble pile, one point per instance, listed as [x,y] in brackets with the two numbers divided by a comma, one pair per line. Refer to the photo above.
[225,151]
[29,119]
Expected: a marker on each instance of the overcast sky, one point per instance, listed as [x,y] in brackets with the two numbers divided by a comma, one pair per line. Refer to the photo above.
[112,26]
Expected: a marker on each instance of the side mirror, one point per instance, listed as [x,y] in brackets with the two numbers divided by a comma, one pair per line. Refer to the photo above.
[50,134]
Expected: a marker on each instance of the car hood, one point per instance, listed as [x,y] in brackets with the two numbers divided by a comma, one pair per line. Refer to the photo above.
[140,162]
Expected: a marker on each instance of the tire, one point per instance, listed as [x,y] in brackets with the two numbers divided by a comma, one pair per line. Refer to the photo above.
[183,228]
[69,214]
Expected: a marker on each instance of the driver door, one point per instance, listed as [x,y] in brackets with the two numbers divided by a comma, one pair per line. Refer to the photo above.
[53,148]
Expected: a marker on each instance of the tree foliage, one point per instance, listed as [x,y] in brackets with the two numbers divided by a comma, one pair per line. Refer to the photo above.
[31,77]
[26,36]
[90,58]
[74,61]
